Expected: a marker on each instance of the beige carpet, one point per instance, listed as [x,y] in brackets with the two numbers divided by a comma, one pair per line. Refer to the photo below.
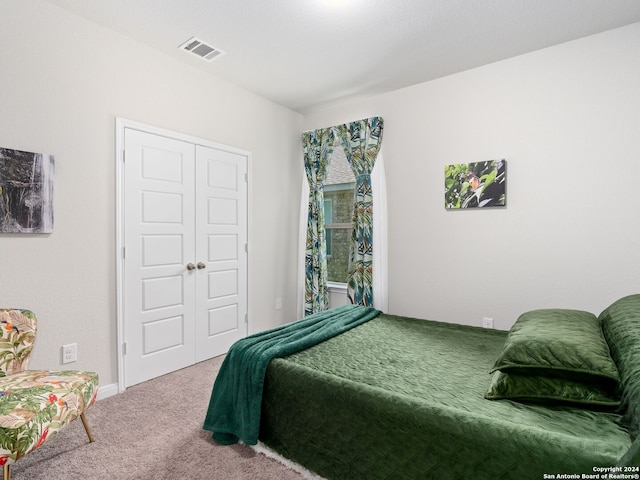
[151,431]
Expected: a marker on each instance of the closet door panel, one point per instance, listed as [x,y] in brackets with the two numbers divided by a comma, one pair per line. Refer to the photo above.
[159,226]
[221,237]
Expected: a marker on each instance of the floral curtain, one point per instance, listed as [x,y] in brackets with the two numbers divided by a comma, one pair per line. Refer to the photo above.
[361,141]
[317,148]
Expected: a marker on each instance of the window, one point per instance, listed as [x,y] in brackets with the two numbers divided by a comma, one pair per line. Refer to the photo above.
[328,220]
[338,212]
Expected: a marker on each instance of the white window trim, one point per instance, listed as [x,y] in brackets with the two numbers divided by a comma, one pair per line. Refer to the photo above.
[335,287]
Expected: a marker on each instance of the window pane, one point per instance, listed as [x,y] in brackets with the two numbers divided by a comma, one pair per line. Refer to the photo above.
[338,196]
[328,210]
[338,262]
[328,219]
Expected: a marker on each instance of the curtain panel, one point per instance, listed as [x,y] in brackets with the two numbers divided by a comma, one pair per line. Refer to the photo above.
[317,148]
[361,141]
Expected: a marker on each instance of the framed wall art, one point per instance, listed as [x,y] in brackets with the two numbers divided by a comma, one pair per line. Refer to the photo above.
[474,185]
[26,192]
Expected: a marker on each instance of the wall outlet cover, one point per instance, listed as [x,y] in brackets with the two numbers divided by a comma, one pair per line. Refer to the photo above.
[487,322]
[70,353]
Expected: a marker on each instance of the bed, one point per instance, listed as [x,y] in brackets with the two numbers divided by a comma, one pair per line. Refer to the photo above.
[396,397]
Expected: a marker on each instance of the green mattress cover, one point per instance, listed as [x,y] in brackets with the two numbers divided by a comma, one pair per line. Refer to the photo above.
[404,398]
[234,408]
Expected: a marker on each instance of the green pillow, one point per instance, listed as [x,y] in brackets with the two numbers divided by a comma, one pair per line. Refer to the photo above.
[621,328]
[559,343]
[548,391]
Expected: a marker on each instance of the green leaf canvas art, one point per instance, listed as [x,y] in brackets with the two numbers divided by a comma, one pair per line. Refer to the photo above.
[479,184]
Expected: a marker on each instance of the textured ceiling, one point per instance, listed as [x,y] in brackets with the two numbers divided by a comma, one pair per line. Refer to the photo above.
[307,54]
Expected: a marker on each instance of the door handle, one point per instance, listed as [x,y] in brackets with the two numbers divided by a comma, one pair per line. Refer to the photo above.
[190,266]
[201,265]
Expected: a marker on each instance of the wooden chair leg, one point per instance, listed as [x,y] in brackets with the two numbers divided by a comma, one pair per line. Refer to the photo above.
[6,471]
[86,427]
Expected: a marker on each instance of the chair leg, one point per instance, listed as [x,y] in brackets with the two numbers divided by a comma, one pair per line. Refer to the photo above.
[86,427]
[6,470]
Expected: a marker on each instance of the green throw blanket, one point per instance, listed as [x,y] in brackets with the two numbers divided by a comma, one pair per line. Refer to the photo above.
[236,399]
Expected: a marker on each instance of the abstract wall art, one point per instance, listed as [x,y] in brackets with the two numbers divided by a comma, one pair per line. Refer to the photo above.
[26,192]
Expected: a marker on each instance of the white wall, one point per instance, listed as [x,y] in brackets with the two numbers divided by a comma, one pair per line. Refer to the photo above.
[567,120]
[63,82]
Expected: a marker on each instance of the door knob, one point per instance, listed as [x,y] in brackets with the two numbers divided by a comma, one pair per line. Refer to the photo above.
[190,266]
[201,265]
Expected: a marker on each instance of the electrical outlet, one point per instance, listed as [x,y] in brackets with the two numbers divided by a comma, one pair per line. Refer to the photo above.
[70,353]
[487,322]
[278,303]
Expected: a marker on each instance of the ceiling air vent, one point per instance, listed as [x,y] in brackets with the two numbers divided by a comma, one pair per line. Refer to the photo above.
[201,49]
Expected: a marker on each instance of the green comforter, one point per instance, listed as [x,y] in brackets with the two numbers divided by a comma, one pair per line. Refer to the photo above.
[401,398]
[234,407]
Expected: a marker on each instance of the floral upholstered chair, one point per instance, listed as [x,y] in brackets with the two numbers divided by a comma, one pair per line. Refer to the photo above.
[34,404]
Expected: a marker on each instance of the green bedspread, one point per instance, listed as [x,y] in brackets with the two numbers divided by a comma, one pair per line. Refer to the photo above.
[234,408]
[401,398]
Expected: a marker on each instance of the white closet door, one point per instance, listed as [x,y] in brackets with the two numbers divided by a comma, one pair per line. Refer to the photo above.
[184,269]
[159,223]
[221,238]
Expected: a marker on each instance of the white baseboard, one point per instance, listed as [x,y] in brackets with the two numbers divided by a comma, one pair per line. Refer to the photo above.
[107,391]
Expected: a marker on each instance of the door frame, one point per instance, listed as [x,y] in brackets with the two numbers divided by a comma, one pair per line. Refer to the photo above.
[121,124]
